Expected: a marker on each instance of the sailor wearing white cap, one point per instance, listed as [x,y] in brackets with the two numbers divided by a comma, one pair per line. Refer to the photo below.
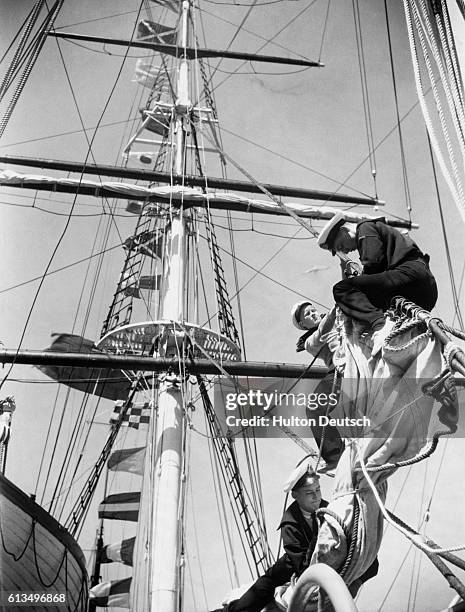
[305,316]
[299,530]
[330,231]
[322,340]
[392,265]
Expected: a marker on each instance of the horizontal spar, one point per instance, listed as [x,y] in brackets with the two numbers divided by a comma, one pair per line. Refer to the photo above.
[158,364]
[179,196]
[189,52]
[188,180]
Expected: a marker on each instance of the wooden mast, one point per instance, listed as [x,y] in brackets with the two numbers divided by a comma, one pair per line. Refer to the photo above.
[165,544]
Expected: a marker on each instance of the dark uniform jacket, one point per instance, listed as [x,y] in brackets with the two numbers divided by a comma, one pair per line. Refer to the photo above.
[382,247]
[299,537]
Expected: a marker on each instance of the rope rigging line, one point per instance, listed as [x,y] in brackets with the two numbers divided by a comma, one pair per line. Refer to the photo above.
[451,49]
[81,506]
[453,98]
[418,558]
[458,198]
[446,51]
[365,93]
[408,201]
[65,468]
[217,136]
[325,27]
[455,294]
[29,24]
[53,15]
[255,34]
[267,41]
[16,36]
[72,475]
[304,166]
[417,541]
[235,35]
[258,271]
[305,224]
[237,492]
[224,526]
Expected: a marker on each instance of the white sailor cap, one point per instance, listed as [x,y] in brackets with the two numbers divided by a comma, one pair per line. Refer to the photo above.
[329,231]
[305,467]
[296,311]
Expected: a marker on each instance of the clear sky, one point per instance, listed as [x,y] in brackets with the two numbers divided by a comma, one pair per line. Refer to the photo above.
[288,126]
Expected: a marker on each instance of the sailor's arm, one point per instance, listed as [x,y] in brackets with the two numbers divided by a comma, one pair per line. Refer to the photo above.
[295,545]
[320,337]
[370,248]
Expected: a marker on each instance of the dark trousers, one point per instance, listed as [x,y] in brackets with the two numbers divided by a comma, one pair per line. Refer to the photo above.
[262,591]
[327,437]
[365,297]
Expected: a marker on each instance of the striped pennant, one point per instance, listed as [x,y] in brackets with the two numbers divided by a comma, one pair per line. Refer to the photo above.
[120,506]
[121,552]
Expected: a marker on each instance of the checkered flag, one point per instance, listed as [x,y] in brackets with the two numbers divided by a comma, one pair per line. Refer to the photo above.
[137,414]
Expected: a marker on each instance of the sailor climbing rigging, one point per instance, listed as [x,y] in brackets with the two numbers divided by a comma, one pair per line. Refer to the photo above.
[299,530]
[392,265]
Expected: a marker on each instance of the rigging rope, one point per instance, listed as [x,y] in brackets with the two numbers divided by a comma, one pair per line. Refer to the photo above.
[455,294]
[29,25]
[365,93]
[52,15]
[417,540]
[452,97]
[458,198]
[408,201]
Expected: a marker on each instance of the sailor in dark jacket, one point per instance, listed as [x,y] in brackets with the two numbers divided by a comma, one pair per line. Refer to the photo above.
[392,265]
[299,530]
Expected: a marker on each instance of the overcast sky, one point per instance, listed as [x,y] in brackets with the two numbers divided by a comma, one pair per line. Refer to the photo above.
[297,127]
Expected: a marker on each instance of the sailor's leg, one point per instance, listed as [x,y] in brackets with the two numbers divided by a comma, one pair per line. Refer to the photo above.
[262,591]
[365,297]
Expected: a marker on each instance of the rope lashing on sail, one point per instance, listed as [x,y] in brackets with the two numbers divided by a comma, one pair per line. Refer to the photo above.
[351,539]
[442,389]
[451,330]
[402,305]
[350,536]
